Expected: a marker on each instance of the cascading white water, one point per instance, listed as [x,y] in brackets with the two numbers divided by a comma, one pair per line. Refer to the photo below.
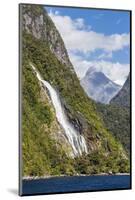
[76,140]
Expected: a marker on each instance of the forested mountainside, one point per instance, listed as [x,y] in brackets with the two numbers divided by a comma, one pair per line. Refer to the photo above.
[123,96]
[116,116]
[117,120]
[46,151]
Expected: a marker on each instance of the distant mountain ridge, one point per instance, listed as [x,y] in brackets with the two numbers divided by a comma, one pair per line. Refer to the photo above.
[99,87]
[123,96]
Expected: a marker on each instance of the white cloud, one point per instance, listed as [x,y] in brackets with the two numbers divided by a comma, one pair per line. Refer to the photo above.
[117,72]
[105,55]
[80,37]
[80,24]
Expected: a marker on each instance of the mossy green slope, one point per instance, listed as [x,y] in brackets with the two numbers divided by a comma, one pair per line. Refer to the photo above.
[117,121]
[41,154]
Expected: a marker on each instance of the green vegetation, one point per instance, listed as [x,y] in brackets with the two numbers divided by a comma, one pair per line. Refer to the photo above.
[117,120]
[96,163]
[41,155]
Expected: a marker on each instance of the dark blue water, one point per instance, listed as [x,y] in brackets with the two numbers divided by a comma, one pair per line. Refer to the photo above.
[75,184]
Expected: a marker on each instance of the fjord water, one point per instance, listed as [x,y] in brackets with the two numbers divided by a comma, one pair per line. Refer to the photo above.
[76,140]
[75,184]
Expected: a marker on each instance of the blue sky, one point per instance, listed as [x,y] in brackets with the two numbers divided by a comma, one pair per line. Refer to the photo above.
[95,37]
[105,21]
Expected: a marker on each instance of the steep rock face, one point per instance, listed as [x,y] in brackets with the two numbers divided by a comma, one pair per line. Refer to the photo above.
[37,22]
[123,96]
[99,87]
[82,126]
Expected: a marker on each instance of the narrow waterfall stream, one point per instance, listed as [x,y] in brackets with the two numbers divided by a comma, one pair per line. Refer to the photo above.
[76,140]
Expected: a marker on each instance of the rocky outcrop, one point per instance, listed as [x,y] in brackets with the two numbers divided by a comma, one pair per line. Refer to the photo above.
[83,127]
[36,21]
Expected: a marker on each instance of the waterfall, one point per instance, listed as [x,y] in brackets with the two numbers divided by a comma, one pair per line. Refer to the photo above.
[76,140]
